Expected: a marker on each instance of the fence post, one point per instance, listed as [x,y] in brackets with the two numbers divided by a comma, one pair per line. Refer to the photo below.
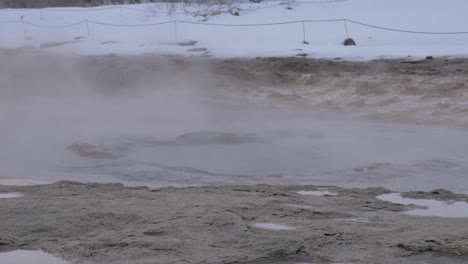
[175,30]
[23,25]
[40,13]
[346,28]
[87,28]
[121,11]
[304,41]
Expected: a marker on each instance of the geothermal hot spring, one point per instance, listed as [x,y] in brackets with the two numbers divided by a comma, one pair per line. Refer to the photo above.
[104,120]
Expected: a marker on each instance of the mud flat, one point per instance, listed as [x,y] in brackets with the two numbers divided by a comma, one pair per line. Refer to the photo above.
[110,223]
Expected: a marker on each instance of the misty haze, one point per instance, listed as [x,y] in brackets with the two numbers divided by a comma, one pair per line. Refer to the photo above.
[258,132]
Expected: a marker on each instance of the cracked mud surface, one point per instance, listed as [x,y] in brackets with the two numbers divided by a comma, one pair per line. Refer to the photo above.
[110,223]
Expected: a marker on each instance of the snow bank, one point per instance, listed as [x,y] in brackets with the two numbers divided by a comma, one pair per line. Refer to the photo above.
[94,30]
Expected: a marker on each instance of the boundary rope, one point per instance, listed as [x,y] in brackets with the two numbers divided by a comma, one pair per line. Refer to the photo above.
[242,25]
[406,31]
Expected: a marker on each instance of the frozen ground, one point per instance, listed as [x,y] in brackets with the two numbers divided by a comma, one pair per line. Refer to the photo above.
[97,36]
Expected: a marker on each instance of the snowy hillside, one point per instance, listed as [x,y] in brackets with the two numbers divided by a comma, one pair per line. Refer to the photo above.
[267,29]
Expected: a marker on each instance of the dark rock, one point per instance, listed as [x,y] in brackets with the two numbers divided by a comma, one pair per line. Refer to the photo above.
[302,55]
[349,42]
[197,50]
[188,43]
[305,42]
[108,42]
[429,57]
[56,44]
[234,11]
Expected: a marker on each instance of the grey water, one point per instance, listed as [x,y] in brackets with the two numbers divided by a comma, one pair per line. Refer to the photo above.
[293,145]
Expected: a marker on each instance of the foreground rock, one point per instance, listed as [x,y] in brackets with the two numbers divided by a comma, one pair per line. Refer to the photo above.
[95,223]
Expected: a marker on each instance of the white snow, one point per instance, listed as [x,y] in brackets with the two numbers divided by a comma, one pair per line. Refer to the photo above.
[29,257]
[434,207]
[325,38]
[10,195]
[317,193]
[272,226]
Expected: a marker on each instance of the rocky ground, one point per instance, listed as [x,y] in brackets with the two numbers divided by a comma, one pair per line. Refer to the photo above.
[430,91]
[98,223]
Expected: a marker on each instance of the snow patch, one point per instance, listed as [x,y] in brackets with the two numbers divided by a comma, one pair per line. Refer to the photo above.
[325,38]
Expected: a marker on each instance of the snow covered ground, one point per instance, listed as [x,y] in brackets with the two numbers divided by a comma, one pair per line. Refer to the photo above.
[325,38]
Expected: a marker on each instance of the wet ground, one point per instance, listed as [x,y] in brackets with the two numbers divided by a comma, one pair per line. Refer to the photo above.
[98,223]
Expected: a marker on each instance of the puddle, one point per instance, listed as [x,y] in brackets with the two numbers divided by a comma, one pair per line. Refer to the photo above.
[361,220]
[272,226]
[29,257]
[433,207]
[434,259]
[300,206]
[11,195]
[317,193]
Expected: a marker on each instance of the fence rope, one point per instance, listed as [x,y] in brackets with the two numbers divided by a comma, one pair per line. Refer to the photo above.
[63,26]
[407,31]
[242,25]
[128,25]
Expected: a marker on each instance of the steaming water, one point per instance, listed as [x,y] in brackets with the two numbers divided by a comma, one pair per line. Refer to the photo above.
[129,106]
[293,146]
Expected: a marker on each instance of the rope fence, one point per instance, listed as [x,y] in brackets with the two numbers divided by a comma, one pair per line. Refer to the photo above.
[345,21]
[303,23]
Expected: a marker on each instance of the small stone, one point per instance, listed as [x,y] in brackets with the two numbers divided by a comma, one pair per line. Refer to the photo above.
[234,12]
[305,42]
[302,55]
[197,50]
[429,57]
[188,43]
[349,42]
[108,42]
